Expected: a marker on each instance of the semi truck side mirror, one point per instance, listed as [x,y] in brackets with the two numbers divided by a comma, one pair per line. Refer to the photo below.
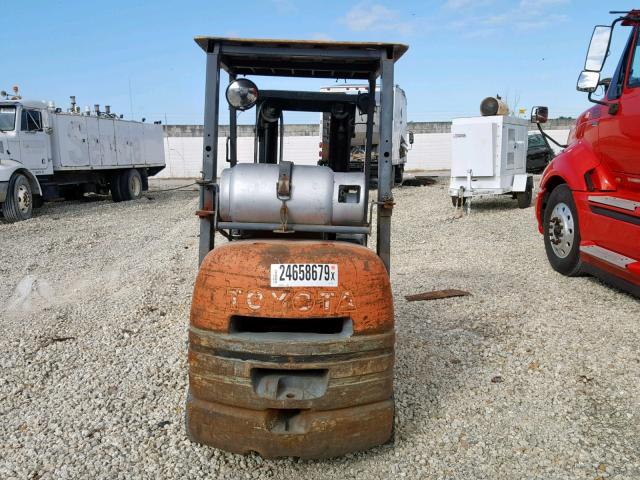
[598,48]
[540,115]
[410,138]
[588,81]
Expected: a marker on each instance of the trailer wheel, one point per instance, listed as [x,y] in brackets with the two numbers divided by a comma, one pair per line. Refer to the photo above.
[524,198]
[114,186]
[19,202]
[562,232]
[130,185]
[456,202]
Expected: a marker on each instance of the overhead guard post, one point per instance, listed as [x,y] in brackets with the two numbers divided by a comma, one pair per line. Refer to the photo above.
[210,152]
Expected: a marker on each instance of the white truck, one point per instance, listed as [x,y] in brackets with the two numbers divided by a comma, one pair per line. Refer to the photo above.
[402,139]
[46,154]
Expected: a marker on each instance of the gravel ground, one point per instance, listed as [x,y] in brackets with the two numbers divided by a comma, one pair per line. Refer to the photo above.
[533,376]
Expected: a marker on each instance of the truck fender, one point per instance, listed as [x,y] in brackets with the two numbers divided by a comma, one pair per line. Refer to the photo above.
[570,167]
[9,167]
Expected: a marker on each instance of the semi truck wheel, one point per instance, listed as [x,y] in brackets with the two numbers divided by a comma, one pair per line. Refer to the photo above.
[131,185]
[19,202]
[562,232]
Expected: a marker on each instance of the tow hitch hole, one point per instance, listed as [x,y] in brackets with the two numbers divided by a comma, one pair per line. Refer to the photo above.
[287,421]
[294,385]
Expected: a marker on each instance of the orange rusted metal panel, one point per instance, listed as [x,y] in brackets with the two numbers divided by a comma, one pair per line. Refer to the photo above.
[303,371]
[234,279]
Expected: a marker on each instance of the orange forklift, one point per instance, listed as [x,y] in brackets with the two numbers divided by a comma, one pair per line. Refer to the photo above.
[291,337]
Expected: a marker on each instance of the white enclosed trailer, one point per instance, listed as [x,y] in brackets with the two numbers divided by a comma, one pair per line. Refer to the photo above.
[46,154]
[402,138]
[489,157]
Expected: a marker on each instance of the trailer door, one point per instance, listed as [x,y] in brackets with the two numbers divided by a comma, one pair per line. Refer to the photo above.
[153,145]
[108,143]
[93,139]
[136,135]
[514,148]
[71,135]
[123,143]
[473,148]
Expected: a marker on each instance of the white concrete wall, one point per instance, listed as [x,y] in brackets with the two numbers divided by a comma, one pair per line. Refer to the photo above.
[183,155]
[431,151]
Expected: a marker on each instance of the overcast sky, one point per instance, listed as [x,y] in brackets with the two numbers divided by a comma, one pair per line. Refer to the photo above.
[140,57]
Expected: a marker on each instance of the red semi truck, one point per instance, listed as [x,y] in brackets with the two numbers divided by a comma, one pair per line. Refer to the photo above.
[588,205]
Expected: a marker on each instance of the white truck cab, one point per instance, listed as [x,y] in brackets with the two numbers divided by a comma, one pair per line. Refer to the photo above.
[24,143]
[46,153]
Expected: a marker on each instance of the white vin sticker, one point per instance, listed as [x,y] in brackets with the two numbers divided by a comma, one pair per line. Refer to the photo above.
[304,275]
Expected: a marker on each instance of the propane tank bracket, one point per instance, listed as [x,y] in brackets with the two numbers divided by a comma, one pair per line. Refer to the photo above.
[283,187]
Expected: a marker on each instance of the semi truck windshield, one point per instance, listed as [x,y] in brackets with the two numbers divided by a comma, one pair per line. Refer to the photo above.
[7,118]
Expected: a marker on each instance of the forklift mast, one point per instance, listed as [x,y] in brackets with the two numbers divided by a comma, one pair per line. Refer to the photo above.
[340,107]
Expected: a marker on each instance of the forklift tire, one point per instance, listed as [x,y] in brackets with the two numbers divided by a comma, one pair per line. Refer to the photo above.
[562,232]
[455,201]
[524,198]
[114,186]
[130,185]
[18,205]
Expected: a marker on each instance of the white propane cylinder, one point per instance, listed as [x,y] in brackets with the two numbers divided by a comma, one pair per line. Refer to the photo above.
[319,196]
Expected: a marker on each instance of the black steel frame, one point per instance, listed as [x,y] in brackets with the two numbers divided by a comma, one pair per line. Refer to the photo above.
[299,59]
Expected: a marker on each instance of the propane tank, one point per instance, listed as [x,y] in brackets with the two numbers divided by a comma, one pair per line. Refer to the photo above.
[493,106]
[319,196]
